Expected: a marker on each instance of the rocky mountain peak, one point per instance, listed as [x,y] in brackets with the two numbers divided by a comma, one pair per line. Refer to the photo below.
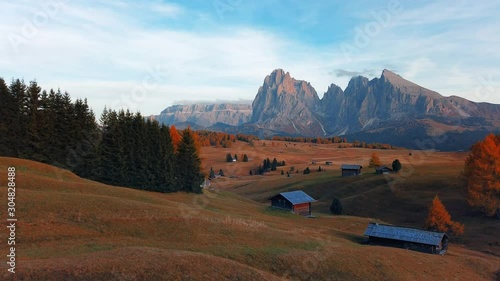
[333,91]
[276,77]
[388,109]
[406,86]
[283,103]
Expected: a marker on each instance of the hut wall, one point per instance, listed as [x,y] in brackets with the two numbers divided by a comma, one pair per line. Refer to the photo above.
[403,244]
[303,209]
[348,173]
[282,203]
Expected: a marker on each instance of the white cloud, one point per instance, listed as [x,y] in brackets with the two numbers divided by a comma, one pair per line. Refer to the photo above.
[168,9]
[104,52]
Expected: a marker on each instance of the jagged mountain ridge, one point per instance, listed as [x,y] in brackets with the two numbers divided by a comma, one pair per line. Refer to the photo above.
[206,115]
[287,105]
[386,109]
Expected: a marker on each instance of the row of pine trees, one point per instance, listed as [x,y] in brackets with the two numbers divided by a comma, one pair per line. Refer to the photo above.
[123,149]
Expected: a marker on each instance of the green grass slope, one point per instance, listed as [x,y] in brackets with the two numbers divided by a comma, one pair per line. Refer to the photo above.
[75,229]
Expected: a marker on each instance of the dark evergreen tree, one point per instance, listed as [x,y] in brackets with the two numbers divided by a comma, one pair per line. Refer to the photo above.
[9,116]
[229,158]
[274,164]
[245,158]
[167,179]
[211,175]
[396,165]
[109,152]
[336,207]
[235,157]
[189,175]
[33,141]
[20,123]
[221,173]
[307,171]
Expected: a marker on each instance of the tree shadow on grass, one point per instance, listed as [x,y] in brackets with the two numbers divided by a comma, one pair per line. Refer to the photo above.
[355,238]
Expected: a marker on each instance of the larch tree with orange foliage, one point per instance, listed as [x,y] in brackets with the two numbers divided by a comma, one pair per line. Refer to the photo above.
[438,219]
[176,137]
[375,161]
[482,174]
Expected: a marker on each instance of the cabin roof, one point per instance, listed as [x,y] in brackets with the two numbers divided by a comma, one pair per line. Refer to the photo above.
[296,197]
[383,168]
[404,234]
[350,167]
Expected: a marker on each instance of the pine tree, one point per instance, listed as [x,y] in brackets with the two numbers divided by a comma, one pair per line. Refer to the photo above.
[396,165]
[336,207]
[8,116]
[307,171]
[211,174]
[32,140]
[245,158]
[20,123]
[235,157]
[189,175]
[274,164]
[229,158]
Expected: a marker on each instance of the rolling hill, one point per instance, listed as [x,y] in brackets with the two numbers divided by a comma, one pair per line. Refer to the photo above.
[75,229]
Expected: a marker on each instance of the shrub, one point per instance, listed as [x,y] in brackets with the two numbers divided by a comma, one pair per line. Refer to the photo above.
[336,207]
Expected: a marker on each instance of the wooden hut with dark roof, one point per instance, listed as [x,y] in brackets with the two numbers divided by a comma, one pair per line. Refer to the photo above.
[351,170]
[407,238]
[297,202]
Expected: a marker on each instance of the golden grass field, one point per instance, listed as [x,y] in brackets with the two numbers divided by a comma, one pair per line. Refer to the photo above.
[75,229]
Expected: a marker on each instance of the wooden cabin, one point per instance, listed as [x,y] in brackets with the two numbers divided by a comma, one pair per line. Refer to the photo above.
[351,170]
[407,238]
[383,170]
[297,202]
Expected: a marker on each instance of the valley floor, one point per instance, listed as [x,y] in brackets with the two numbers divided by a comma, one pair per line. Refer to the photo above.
[75,229]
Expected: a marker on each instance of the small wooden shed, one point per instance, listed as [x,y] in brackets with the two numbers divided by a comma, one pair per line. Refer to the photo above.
[351,170]
[383,170]
[297,202]
[407,238]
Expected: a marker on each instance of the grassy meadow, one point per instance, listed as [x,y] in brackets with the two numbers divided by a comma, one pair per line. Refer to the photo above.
[75,229]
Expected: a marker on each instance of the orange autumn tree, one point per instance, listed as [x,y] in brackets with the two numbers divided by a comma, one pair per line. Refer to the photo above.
[176,137]
[482,174]
[197,141]
[375,161]
[438,219]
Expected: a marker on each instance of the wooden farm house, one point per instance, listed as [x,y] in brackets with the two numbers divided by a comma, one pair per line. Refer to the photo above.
[297,202]
[383,170]
[351,170]
[407,238]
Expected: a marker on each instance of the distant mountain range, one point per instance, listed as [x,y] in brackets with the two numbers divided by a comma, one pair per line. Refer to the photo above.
[388,109]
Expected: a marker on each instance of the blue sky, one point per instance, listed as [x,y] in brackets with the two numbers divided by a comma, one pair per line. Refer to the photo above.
[147,55]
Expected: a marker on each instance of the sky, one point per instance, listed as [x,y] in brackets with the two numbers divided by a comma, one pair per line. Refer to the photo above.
[148,55]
